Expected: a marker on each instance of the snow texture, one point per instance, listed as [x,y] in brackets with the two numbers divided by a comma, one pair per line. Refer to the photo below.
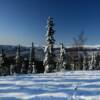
[71,85]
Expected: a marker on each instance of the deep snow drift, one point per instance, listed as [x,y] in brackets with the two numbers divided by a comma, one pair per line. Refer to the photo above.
[71,85]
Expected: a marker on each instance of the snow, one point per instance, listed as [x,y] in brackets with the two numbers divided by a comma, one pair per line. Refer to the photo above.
[87,46]
[70,85]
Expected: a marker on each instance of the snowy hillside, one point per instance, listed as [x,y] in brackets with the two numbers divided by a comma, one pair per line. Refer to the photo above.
[79,85]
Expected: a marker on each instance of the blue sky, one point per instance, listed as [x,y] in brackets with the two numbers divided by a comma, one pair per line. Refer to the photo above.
[24,21]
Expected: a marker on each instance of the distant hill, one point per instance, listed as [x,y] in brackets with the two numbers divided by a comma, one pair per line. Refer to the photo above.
[39,51]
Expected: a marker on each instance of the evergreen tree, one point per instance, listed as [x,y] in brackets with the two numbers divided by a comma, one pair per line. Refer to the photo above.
[32,54]
[97,65]
[4,68]
[18,60]
[32,60]
[63,60]
[23,69]
[49,61]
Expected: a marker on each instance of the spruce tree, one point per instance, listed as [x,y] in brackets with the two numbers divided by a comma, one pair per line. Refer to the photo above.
[3,63]
[97,65]
[32,56]
[49,60]
[63,60]
[32,67]
[18,60]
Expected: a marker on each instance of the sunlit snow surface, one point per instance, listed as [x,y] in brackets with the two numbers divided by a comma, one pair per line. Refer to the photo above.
[78,85]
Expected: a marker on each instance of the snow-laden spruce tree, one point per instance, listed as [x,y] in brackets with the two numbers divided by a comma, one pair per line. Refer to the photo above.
[32,67]
[49,60]
[63,60]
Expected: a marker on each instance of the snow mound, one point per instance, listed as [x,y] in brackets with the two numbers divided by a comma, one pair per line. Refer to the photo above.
[71,85]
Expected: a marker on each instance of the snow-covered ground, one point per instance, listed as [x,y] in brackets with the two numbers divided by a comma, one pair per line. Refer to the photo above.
[78,85]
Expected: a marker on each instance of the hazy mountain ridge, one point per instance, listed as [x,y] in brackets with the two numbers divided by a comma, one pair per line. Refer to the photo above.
[39,51]
[10,50]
